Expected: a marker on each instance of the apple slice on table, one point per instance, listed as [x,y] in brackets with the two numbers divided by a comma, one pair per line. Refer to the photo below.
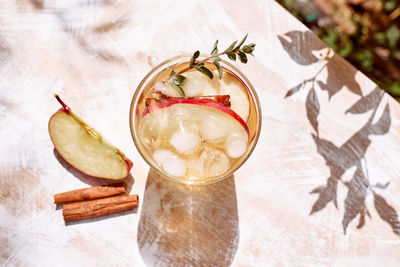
[84,148]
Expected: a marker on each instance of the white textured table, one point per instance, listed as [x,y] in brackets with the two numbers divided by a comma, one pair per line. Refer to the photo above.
[336,136]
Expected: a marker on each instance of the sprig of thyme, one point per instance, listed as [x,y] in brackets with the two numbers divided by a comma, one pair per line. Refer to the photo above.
[235,50]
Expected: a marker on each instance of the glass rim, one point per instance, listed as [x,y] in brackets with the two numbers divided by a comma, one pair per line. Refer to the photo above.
[253,143]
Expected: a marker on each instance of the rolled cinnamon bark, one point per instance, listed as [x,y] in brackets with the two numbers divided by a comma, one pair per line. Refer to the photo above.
[90,193]
[87,209]
[160,97]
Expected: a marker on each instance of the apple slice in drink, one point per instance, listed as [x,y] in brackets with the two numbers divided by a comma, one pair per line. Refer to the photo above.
[84,148]
[205,133]
[197,84]
[196,109]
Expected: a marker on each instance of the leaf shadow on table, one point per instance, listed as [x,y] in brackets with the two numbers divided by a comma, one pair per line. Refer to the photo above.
[83,34]
[305,49]
[184,225]
[5,54]
[83,37]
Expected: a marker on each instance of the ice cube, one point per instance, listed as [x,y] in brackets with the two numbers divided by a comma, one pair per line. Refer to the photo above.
[149,130]
[213,130]
[174,166]
[193,87]
[166,89]
[185,142]
[180,113]
[236,145]
[197,84]
[212,162]
[161,155]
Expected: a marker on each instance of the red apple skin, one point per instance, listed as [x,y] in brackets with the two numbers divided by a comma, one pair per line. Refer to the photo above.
[206,103]
[127,161]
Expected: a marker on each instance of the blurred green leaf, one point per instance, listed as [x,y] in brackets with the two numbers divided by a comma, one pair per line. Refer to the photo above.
[380,38]
[312,17]
[393,36]
[331,39]
[396,54]
[346,49]
[365,58]
[394,89]
[389,5]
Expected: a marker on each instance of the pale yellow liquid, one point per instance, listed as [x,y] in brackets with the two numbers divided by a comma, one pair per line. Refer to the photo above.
[209,158]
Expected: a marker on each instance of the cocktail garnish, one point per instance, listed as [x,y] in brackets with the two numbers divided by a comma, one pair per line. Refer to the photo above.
[235,50]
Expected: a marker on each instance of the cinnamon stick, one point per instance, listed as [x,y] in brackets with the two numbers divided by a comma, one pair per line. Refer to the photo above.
[160,97]
[90,193]
[221,99]
[87,209]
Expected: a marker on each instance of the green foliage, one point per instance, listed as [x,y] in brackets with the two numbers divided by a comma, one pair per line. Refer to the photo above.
[331,38]
[392,35]
[365,58]
[389,5]
[374,45]
[394,89]
[338,42]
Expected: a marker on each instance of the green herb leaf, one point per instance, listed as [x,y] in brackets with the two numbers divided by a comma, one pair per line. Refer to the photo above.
[205,71]
[219,68]
[242,57]
[177,83]
[248,49]
[235,50]
[232,56]
[230,48]
[194,57]
[240,44]
[172,73]
[180,79]
[215,49]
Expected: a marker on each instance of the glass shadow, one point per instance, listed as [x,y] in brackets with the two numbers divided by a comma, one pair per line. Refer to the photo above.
[188,225]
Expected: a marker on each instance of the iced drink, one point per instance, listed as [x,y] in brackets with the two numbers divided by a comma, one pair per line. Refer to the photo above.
[202,136]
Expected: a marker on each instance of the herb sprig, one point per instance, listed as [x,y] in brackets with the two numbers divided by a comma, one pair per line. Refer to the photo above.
[234,51]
